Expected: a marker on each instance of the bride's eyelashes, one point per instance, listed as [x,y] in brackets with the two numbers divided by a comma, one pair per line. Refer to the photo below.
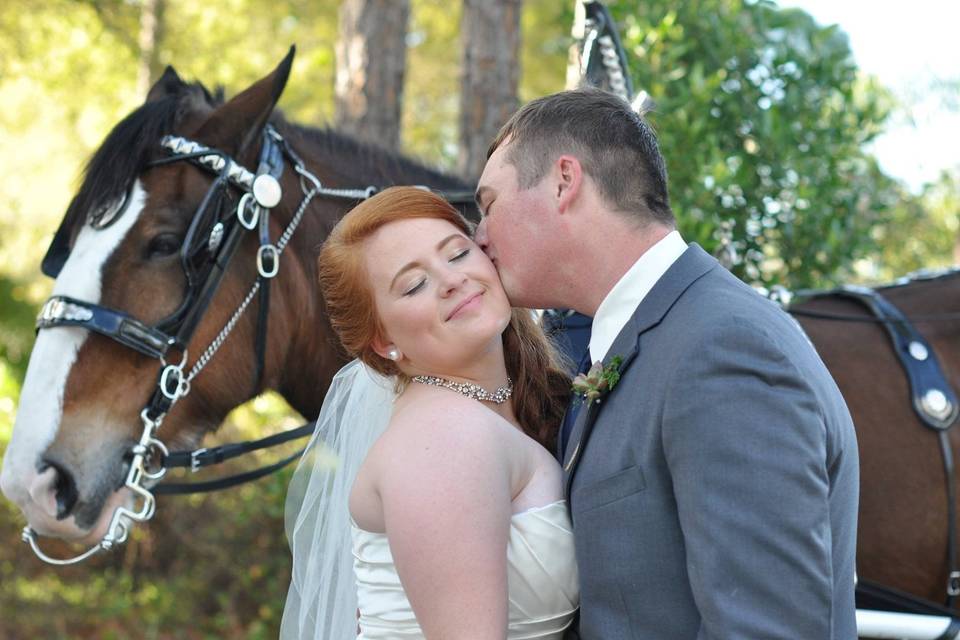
[417,287]
[459,255]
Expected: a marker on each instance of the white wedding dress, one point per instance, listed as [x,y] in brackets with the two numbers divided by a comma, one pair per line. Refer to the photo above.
[542,585]
[339,568]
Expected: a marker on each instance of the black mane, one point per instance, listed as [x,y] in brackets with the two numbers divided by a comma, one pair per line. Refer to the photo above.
[372,165]
[124,155]
[111,171]
[135,141]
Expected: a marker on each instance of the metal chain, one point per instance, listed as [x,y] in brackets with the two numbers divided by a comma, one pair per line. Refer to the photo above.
[349,194]
[611,60]
[222,336]
[295,221]
[217,342]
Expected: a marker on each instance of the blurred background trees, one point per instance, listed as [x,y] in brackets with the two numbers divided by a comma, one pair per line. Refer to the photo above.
[762,115]
[371,55]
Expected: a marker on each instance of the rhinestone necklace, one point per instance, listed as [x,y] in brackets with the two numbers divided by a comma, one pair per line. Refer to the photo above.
[501,395]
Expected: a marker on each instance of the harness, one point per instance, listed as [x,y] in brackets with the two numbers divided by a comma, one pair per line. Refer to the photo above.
[212,239]
[932,397]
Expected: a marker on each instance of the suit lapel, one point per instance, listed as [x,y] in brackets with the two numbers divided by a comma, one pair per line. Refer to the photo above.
[624,346]
[690,266]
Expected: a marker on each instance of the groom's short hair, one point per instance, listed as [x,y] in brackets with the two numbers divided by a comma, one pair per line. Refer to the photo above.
[616,147]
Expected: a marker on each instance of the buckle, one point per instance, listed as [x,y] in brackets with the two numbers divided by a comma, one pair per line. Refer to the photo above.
[268,260]
[248,211]
[195,464]
[953,583]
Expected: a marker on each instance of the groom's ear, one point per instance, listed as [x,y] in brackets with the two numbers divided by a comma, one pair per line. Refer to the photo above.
[568,178]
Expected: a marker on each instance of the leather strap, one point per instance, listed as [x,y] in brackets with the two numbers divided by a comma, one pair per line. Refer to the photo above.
[919,362]
[178,488]
[952,631]
[64,311]
[915,354]
[200,458]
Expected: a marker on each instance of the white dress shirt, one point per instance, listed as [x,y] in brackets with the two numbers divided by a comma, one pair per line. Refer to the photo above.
[622,300]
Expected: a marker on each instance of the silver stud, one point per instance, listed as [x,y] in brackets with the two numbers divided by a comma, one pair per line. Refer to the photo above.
[918,351]
[267,191]
[936,404]
[216,237]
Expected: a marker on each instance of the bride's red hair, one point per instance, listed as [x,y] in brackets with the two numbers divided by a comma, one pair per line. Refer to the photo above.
[541,386]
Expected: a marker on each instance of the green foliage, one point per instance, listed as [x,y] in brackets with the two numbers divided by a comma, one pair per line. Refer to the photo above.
[762,119]
[921,232]
[16,339]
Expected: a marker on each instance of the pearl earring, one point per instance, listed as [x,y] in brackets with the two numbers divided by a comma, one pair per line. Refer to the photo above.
[393,354]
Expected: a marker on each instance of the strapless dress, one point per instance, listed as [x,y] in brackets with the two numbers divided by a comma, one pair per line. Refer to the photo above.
[542,584]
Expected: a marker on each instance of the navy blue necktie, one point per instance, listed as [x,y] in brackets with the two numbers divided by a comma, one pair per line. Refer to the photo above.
[571,416]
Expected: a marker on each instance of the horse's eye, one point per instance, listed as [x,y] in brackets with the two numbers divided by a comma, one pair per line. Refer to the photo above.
[163,245]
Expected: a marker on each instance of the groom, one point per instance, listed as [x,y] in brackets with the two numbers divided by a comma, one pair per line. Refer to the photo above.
[713,489]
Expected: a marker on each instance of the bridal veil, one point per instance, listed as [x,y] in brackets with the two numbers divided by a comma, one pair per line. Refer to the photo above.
[322,599]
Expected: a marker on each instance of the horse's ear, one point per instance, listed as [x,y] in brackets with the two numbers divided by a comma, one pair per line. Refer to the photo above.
[236,125]
[169,84]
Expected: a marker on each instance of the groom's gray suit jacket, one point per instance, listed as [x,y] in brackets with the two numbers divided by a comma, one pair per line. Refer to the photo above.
[714,490]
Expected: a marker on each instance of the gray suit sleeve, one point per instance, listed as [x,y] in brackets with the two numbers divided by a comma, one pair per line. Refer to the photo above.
[745,442]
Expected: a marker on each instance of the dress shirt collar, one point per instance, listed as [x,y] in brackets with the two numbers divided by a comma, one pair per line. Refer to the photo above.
[621,301]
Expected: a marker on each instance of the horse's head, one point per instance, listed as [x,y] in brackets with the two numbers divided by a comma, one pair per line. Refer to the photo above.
[137,239]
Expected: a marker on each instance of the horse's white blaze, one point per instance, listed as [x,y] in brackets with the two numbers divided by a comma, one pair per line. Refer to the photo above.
[53,355]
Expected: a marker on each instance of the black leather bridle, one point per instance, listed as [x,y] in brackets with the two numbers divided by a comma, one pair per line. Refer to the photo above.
[214,234]
[211,241]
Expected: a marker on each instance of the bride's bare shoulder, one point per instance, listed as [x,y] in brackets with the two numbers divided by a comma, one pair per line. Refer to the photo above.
[438,455]
[438,413]
[436,428]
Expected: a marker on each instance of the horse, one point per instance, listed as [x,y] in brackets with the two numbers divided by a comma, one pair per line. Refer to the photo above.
[907,500]
[153,263]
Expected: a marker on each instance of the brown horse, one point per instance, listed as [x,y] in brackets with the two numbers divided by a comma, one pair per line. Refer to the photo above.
[903,520]
[131,246]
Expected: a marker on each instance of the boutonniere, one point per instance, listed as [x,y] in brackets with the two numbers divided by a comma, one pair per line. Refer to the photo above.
[598,381]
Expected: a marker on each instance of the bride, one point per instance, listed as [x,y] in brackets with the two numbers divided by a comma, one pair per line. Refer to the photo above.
[429,504]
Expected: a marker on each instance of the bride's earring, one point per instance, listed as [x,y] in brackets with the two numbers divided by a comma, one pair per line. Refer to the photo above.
[393,354]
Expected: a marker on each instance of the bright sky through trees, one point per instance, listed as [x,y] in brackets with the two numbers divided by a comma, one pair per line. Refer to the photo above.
[914,51]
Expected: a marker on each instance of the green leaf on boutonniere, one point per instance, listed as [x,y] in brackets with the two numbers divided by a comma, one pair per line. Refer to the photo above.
[598,381]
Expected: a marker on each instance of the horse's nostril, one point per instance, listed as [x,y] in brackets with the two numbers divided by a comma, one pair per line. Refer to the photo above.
[66,491]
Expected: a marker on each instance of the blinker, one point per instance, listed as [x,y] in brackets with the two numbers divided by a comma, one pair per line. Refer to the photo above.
[56,256]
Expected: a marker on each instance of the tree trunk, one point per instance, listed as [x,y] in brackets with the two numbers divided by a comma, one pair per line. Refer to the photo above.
[491,70]
[148,41]
[371,61]
[574,74]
